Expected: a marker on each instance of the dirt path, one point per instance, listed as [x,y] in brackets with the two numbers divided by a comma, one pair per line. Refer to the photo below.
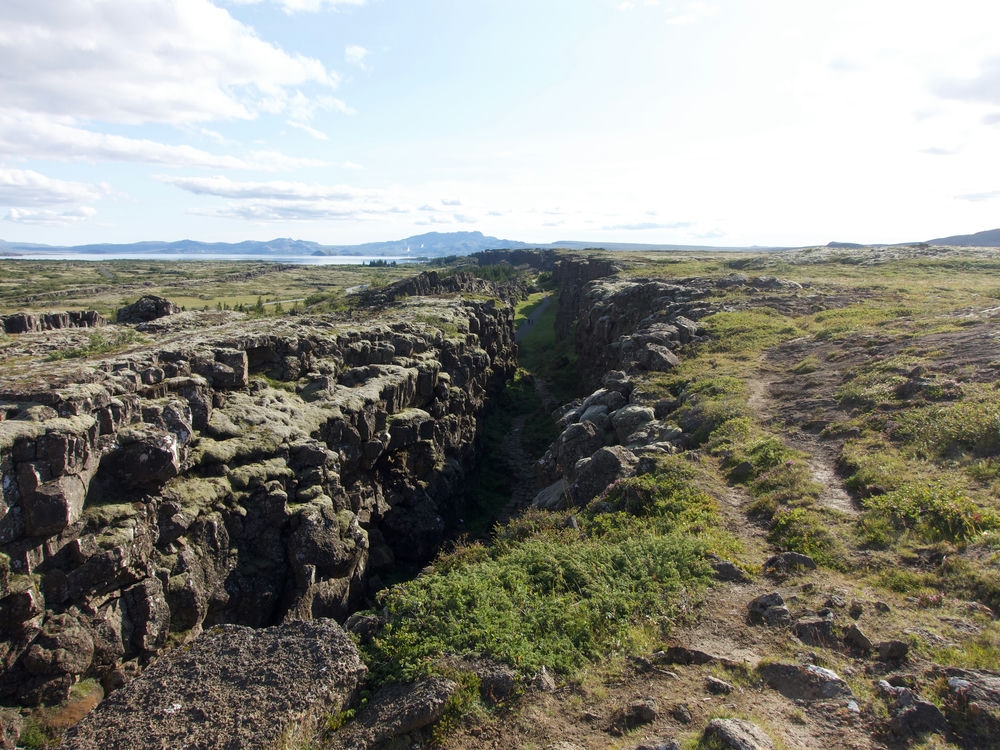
[527,325]
[799,405]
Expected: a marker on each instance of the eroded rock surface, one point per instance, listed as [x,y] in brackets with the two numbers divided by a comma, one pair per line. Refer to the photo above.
[234,471]
[232,687]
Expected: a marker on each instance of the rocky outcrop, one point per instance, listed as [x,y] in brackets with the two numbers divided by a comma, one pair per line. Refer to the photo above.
[249,472]
[541,260]
[432,282]
[28,322]
[145,309]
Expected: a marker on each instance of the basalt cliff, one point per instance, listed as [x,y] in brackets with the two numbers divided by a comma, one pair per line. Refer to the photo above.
[235,471]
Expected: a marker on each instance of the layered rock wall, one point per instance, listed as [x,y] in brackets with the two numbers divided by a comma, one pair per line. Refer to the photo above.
[27,322]
[247,473]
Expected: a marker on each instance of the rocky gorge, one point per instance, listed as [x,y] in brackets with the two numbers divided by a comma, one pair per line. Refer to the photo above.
[196,521]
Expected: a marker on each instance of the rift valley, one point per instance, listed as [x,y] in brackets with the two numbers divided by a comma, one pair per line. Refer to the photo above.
[541,499]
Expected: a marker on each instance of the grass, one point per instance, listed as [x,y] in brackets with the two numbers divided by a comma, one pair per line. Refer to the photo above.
[546,355]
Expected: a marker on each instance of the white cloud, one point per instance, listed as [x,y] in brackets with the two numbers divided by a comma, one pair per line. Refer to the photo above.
[284,201]
[979,197]
[48,217]
[645,225]
[295,6]
[355,54]
[137,61]
[276,190]
[35,137]
[25,187]
[27,136]
[310,130]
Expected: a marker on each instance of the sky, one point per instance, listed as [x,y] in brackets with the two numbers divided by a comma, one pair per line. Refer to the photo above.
[709,122]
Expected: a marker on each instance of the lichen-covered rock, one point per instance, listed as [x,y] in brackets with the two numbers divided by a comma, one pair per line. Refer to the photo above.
[231,687]
[233,470]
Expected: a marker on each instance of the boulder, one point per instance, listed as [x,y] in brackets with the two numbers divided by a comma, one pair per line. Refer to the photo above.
[736,734]
[630,418]
[769,609]
[144,309]
[553,497]
[786,562]
[396,710]
[807,682]
[54,505]
[594,474]
[231,687]
[146,456]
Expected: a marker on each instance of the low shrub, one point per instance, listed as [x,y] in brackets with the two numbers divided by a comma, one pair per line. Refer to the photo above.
[932,512]
[540,602]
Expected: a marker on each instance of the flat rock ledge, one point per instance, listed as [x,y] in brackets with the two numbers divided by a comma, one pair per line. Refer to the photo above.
[232,687]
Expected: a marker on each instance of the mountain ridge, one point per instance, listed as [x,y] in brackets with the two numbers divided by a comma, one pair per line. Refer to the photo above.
[427,245]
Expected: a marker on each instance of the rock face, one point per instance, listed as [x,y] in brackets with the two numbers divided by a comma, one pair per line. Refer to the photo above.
[248,472]
[145,309]
[27,322]
[232,687]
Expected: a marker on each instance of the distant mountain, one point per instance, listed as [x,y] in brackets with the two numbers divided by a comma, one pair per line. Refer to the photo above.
[429,245]
[989,238]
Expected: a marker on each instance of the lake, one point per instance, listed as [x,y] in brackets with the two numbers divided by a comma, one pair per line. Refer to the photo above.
[307,260]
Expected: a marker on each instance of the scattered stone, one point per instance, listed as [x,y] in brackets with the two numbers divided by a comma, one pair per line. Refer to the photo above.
[973,701]
[919,717]
[637,713]
[769,609]
[815,631]
[544,681]
[787,562]
[684,655]
[681,713]
[891,651]
[728,571]
[857,640]
[718,687]
[804,682]
[736,734]
[856,610]
[662,745]
[835,602]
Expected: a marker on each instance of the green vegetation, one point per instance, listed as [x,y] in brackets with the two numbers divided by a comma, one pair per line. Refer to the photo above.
[544,353]
[543,594]
[99,343]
